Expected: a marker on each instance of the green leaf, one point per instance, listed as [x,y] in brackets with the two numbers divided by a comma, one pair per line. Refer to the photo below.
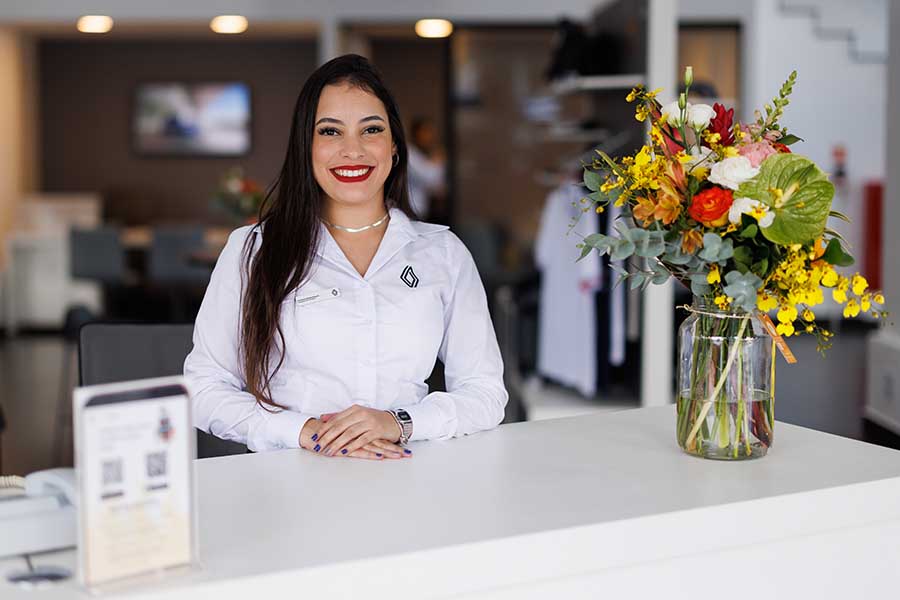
[749,232]
[835,255]
[585,250]
[839,215]
[592,180]
[789,139]
[801,212]
[743,256]
[761,268]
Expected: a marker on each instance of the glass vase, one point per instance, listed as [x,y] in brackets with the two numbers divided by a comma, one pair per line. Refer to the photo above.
[726,384]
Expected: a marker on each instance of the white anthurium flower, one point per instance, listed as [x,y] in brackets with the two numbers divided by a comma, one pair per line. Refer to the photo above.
[699,115]
[671,112]
[748,206]
[732,172]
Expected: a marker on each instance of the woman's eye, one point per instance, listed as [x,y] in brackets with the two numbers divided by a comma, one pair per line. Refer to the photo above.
[329,131]
[373,129]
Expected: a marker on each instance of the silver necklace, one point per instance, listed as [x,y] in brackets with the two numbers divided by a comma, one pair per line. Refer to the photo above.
[358,229]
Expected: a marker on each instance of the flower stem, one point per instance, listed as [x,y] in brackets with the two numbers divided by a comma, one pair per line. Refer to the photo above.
[724,375]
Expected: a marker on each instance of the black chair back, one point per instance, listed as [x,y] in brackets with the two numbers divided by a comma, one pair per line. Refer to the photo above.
[97,255]
[170,262]
[112,352]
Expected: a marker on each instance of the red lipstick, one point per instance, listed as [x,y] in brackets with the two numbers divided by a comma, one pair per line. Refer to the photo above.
[352,173]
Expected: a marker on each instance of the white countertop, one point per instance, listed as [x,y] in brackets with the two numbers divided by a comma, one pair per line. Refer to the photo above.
[525,505]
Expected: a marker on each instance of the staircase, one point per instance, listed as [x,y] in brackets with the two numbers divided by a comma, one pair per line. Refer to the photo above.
[863,24]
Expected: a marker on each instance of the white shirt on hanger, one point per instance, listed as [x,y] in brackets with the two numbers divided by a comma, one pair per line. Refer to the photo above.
[567,335]
[351,339]
[425,177]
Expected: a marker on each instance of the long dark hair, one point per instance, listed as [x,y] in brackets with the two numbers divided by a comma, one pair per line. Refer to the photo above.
[290,221]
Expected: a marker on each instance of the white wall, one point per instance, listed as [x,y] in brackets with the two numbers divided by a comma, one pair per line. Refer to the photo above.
[891,223]
[836,100]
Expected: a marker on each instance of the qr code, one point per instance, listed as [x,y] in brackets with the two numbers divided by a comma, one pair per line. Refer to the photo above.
[156,464]
[112,471]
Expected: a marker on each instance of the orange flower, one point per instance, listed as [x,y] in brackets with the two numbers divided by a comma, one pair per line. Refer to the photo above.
[644,210]
[675,173]
[691,241]
[710,207]
[668,207]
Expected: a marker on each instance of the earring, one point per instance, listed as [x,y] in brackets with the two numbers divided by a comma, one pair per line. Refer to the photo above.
[396,159]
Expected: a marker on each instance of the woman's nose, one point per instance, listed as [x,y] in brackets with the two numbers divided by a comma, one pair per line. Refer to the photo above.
[352,148]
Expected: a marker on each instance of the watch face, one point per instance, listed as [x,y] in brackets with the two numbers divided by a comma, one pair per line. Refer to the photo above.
[403,414]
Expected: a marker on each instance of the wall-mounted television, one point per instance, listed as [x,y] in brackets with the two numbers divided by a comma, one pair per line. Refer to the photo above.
[192,119]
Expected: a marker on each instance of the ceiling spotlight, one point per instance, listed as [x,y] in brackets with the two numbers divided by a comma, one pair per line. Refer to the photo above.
[434,28]
[94,24]
[229,24]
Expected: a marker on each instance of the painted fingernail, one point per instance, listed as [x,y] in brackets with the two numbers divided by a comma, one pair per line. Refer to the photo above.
[317,448]
[344,451]
[407,450]
[378,454]
[315,436]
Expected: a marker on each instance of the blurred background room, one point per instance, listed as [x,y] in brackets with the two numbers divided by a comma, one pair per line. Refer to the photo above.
[132,147]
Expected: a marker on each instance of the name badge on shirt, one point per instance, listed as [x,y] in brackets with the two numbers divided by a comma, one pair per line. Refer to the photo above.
[318,296]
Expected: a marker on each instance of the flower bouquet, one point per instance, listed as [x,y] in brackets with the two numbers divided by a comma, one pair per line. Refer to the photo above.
[238,197]
[729,211]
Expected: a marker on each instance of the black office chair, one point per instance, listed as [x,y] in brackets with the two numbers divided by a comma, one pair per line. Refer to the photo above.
[110,352]
[171,270]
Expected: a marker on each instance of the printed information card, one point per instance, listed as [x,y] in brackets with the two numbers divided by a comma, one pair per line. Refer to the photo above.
[134,446]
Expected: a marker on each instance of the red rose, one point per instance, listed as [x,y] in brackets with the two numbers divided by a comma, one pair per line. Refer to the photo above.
[710,207]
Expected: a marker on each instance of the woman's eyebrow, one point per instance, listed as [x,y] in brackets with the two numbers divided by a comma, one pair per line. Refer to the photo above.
[371,118]
[329,120]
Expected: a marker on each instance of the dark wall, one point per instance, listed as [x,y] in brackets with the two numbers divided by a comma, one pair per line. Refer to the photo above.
[87,97]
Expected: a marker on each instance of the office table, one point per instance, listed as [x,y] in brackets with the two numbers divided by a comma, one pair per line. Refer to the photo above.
[582,507]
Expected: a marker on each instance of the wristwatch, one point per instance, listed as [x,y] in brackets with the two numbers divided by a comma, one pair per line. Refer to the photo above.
[405,422]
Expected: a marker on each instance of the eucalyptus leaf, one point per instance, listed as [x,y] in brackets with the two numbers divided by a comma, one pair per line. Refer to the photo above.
[742,288]
[621,250]
[592,180]
[585,250]
[712,243]
[699,287]
[637,280]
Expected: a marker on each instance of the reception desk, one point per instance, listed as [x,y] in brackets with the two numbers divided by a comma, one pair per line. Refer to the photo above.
[582,507]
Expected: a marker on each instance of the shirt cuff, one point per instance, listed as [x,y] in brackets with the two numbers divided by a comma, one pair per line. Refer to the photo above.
[284,428]
[428,419]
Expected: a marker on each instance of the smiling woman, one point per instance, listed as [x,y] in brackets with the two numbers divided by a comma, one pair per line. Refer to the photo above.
[322,322]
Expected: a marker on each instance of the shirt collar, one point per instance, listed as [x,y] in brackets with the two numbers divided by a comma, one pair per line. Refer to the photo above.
[401,230]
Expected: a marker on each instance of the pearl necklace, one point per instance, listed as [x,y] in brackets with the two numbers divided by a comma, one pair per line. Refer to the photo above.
[357,229]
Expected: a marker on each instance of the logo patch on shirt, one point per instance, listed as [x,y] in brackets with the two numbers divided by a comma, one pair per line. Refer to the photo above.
[409,277]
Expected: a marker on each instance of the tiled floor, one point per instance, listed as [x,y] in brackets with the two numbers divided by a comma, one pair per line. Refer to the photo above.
[825,394]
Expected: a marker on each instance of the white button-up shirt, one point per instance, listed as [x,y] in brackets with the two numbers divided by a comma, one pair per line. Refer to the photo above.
[350,339]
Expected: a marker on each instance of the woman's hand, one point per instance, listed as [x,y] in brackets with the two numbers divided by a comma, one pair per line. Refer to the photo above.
[375,450]
[379,450]
[352,429]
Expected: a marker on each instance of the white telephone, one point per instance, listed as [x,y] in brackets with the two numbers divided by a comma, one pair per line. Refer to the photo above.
[43,517]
